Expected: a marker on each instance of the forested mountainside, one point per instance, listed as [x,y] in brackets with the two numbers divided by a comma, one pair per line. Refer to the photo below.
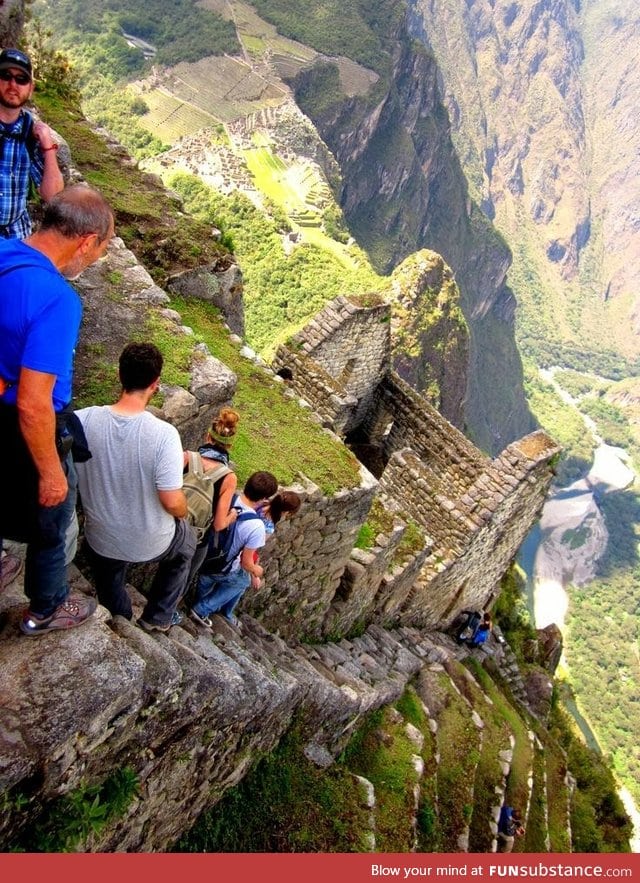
[444,118]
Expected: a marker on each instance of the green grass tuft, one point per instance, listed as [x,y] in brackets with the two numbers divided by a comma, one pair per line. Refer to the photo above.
[274,433]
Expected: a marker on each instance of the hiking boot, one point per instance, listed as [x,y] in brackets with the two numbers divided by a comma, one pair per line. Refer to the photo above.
[177,618]
[11,566]
[152,626]
[69,614]
[232,620]
[201,620]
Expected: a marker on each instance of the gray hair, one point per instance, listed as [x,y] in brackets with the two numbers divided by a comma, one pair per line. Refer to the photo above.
[77,211]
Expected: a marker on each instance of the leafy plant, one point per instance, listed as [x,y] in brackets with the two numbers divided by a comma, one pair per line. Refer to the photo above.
[69,821]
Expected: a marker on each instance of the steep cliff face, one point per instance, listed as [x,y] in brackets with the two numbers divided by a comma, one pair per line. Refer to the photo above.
[514,97]
[541,98]
[611,85]
[403,189]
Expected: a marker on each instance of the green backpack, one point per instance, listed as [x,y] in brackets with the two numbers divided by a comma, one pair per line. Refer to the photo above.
[202,489]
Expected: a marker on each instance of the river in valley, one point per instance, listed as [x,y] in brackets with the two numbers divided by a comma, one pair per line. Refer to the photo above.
[565,545]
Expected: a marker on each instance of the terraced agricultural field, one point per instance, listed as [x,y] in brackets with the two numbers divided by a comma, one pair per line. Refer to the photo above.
[256,35]
[288,57]
[295,188]
[282,183]
[226,88]
[170,119]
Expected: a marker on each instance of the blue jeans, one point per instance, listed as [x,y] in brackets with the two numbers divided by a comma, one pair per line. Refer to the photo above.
[45,572]
[169,582]
[221,592]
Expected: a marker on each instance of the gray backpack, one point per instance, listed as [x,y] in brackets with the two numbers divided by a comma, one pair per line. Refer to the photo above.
[202,489]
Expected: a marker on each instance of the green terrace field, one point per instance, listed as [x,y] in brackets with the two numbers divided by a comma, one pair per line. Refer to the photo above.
[300,191]
[170,119]
[226,88]
[259,38]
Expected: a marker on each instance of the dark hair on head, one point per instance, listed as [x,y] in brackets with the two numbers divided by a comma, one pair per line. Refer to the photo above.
[140,364]
[260,485]
[78,211]
[283,502]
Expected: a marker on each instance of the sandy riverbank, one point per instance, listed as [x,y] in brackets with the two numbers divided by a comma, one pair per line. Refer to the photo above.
[574,535]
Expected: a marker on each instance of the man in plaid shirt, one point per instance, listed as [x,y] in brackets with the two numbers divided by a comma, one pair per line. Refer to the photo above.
[27,149]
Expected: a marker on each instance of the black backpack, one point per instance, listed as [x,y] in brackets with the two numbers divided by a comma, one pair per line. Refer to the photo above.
[25,134]
[223,549]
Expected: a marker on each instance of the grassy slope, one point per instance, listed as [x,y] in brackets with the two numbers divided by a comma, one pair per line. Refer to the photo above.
[275,433]
[517,788]
[488,774]
[285,804]
[382,753]
[151,224]
[281,292]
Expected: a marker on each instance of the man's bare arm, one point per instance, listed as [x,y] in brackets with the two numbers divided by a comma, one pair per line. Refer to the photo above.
[52,180]
[174,502]
[37,421]
[247,563]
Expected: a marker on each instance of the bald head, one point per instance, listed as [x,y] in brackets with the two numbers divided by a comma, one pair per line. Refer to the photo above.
[78,211]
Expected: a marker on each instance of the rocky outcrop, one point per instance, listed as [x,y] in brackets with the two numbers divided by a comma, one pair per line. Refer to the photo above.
[221,286]
[430,338]
[549,647]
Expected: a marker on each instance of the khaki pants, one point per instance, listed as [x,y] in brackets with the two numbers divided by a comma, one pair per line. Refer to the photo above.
[505,843]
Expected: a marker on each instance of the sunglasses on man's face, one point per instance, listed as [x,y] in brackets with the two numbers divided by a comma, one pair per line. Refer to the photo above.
[20,79]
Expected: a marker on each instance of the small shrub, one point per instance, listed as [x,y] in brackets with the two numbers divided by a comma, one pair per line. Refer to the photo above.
[66,824]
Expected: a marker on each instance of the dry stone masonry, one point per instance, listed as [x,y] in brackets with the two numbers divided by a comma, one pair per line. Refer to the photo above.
[474,512]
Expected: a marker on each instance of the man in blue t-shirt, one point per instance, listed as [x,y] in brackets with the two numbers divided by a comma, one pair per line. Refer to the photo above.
[39,322]
[27,148]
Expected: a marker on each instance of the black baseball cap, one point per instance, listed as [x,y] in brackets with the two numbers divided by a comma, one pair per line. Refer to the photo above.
[16,58]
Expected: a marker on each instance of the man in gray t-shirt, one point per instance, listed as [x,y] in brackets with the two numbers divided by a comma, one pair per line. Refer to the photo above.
[132,495]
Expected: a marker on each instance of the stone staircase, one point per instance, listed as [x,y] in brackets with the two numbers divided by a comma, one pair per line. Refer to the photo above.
[190,712]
